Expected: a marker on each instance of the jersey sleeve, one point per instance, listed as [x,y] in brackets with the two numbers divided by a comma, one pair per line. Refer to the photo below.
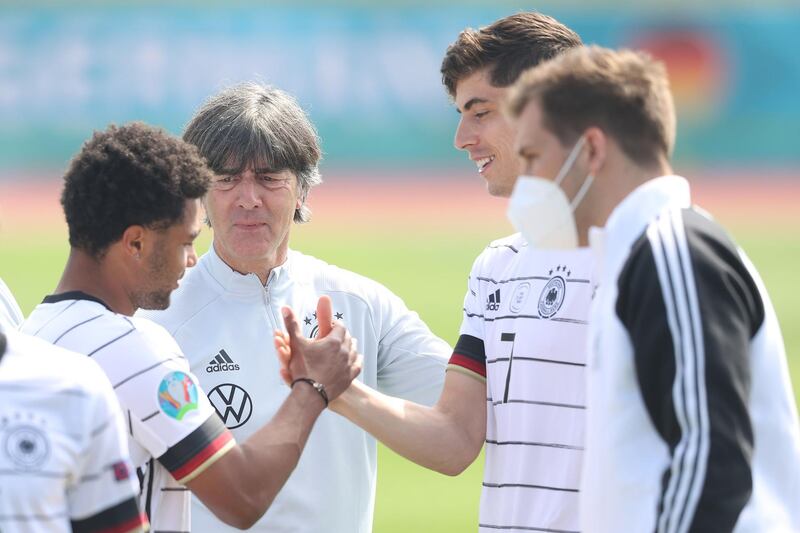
[469,354]
[411,359]
[102,494]
[10,313]
[691,309]
[169,414]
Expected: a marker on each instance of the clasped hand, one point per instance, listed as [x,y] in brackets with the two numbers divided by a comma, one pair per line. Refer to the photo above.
[331,358]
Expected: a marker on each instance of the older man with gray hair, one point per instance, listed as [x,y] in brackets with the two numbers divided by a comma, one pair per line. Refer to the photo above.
[265,154]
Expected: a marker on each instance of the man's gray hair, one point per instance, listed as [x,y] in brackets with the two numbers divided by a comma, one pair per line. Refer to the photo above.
[254,124]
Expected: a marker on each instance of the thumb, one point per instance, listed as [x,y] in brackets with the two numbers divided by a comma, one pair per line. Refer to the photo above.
[292,326]
[324,316]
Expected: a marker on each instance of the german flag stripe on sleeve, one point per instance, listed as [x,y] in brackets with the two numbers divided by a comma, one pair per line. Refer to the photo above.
[198,450]
[121,518]
[469,355]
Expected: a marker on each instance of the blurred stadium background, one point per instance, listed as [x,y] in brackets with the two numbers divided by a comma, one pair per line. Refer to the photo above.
[399,203]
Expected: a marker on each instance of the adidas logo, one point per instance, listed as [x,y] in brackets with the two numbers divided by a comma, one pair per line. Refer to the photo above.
[493,302]
[222,363]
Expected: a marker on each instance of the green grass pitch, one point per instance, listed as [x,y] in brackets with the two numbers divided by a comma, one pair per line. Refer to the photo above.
[428,268]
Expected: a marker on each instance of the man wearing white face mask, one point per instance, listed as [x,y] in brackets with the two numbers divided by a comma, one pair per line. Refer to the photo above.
[539,208]
[516,376]
[692,423]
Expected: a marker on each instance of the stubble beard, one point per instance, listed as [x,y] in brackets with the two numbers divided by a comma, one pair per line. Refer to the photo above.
[154,300]
[152,296]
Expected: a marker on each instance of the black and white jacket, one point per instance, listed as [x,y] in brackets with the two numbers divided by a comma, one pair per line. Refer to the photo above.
[692,424]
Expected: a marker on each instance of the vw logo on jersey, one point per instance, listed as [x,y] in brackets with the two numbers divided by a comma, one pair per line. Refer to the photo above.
[232,403]
[519,297]
[552,297]
[27,447]
[177,394]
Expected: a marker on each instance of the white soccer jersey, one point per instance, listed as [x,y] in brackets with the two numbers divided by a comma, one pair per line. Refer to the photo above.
[692,423]
[168,416]
[10,313]
[224,320]
[524,329]
[64,462]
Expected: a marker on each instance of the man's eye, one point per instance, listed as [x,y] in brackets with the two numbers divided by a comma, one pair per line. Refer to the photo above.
[481,114]
[226,179]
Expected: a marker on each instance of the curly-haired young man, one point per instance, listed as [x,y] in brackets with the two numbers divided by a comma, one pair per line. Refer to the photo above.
[132,203]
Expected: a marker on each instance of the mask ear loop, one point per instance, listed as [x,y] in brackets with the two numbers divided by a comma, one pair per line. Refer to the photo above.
[573,155]
[582,192]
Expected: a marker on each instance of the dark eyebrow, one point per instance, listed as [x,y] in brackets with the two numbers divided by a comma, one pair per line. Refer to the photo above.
[471,102]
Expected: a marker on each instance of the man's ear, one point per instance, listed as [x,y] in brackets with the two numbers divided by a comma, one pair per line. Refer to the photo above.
[597,149]
[133,241]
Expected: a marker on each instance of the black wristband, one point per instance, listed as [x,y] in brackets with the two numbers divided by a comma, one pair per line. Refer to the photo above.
[319,387]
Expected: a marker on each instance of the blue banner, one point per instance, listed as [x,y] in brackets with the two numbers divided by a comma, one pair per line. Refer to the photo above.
[368,76]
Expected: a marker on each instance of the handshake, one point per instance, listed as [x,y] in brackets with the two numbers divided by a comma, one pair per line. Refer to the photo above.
[329,363]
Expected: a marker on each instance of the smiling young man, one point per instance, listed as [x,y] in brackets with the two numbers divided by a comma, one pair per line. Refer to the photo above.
[693,424]
[483,132]
[516,376]
[265,154]
[131,200]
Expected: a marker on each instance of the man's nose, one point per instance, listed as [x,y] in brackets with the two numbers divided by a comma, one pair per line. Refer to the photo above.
[191,259]
[248,193]
[466,135]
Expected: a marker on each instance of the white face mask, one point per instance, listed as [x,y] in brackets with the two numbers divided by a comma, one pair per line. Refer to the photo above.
[540,210]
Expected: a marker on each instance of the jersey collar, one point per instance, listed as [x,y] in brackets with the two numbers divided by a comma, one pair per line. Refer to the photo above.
[74,295]
[238,283]
[630,218]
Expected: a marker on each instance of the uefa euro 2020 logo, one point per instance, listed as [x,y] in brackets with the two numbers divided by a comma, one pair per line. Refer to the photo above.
[177,394]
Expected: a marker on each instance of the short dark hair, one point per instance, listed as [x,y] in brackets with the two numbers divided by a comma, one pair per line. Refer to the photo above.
[507,47]
[128,175]
[623,92]
[254,124]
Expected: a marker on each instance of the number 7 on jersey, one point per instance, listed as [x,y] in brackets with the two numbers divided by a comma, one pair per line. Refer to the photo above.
[508,337]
